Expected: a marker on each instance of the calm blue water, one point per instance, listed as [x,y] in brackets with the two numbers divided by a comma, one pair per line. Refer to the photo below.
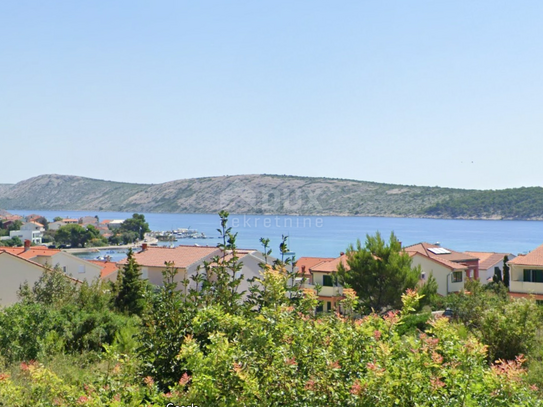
[328,236]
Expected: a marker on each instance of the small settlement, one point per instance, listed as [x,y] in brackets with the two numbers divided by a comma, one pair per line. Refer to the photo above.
[450,268]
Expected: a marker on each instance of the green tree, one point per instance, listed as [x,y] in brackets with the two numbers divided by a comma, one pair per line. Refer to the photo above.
[497,277]
[428,291]
[136,224]
[73,234]
[78,236]
[131,288]
[506,275]
[379,272]
[16,225]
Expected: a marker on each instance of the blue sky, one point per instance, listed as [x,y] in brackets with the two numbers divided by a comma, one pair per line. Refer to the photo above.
[446,93]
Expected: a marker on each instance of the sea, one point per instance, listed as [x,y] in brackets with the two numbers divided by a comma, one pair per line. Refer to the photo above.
[327,236]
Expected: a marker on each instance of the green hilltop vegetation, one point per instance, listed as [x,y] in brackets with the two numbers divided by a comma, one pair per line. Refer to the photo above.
[272,194]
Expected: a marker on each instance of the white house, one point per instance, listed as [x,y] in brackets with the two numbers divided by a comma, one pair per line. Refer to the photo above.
[33,236]
[490,263]
[319,271]
[188,261]
[71,265]
[527,274]
[450,268]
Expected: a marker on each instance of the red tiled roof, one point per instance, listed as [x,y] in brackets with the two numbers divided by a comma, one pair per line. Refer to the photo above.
[108,267]
[488,259]
[321,264]
[534,258]
[181,256]
[452,256]
[331,266]
[33,251]
[305,263]
[449,264]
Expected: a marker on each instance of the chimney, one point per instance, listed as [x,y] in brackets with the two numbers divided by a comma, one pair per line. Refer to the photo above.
[27,244]
[303,269]
[341,253]
[143,247]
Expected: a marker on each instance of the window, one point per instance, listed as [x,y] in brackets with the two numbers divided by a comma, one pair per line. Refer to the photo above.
[457,277]
[328,306]
[533,276]
[327,281]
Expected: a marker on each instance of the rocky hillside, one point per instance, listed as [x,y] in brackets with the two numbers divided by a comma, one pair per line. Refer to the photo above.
[268,194]
[57,192]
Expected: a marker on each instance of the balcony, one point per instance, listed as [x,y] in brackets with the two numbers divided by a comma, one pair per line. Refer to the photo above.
[525,287]
[326,291]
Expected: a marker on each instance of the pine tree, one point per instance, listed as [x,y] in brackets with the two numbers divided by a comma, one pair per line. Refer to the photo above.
[130,287]
[379,272]
[506,276]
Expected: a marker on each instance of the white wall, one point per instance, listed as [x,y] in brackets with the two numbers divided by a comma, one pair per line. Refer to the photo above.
[14,272]
[517,283]
[441,273]
[73,266]
[32,235]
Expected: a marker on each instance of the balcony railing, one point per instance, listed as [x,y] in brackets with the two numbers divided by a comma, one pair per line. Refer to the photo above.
[525,287]
[326,291]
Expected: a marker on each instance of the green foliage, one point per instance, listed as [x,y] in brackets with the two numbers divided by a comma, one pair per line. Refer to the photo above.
[136,224]
[76,235]
[428,291]
[518,203]
[57,316]
[378,272]
[52,288]
[508,327]
[280,355]
[130,288]
[506,273]
[15,241]
[164,329]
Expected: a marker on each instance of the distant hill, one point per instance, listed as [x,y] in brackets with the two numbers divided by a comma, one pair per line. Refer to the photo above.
[271,194]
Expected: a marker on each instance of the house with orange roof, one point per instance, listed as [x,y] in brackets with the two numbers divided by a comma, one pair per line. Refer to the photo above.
[320,272]
[71,265]
[188,261]
[33,217]
[526,274]
[490,263]
[185,259]
[450,268]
